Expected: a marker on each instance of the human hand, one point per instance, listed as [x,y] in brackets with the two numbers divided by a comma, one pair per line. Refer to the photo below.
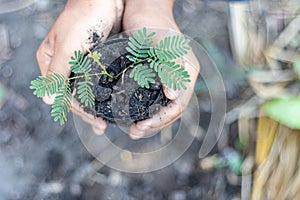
[159,15]
[81,25]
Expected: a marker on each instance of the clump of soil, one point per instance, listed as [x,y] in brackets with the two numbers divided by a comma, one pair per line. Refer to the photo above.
[121,98]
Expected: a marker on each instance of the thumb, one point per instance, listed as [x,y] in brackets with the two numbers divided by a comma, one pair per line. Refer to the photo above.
[59,64]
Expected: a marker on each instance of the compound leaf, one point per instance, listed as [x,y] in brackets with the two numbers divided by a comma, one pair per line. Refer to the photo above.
[139,45]
[173,75]
[170,48]
[143,75]
[47,85]
[80,63]
[85,92]
[62,104]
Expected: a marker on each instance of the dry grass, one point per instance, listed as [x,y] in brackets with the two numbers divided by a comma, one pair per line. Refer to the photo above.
[277,157]
[273,46]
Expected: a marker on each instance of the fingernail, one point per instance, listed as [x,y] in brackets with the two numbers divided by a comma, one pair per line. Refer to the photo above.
[134,137]
[136,133]
[171,94]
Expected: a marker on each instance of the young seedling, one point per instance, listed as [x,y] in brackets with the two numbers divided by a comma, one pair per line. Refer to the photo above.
[160,62]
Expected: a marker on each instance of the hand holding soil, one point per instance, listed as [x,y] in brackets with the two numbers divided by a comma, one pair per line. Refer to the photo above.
[159,14]
[80,26]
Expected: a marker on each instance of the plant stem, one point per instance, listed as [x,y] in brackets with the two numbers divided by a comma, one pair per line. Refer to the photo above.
[96,58]
[104,72]
[87,75]
[140,61]
[104,69]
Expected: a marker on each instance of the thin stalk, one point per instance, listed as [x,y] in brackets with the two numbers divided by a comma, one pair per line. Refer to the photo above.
[87,75]
[104,69]
[140,61]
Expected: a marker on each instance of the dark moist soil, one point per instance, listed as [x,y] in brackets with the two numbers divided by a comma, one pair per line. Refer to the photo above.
[122,99]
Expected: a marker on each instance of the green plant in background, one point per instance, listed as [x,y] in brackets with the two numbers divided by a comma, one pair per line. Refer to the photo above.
[286,110]
[148,61]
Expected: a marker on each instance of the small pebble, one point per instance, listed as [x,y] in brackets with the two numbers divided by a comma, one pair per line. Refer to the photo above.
[3,116]
[75,189]
[5,52]
[110,80]
[15,38]
[6,71]
[44,5]
[155,86]
[102,93]
[5,136]
[115,179]
[195,192]
[177,195]
[54,187]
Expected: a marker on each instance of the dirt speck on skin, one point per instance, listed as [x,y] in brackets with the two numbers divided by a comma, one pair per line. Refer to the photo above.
[95,35]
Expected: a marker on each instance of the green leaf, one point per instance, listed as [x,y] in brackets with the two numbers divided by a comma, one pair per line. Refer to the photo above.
[47,85]
[285,110]
[143,75]
[80,63]
[62,104]
[170,48]
[297,68]
[85,92]
[95,56]
[139,44]
[173,75]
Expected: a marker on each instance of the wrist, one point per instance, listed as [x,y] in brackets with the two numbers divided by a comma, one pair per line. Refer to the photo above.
[149,13]
[165,6]
[90,6]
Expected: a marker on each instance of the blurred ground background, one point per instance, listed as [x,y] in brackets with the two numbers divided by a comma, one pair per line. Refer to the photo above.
[41,160]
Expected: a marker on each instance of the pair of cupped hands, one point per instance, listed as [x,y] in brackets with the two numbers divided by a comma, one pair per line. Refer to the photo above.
[72,31]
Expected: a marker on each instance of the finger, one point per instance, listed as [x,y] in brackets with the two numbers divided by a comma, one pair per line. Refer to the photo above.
[45,53]
[57,65]
[47,59]
[97,131]
[51,61]
[59,62]
[84,116]
[49,99]
[44,56]
[98,124]
[166,116]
